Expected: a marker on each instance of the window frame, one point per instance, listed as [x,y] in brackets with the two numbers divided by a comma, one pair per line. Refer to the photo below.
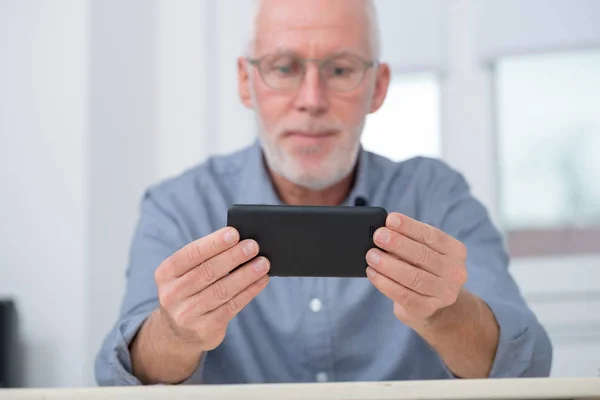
[535,242]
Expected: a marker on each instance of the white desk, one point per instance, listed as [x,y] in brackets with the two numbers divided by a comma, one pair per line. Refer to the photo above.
[553,388]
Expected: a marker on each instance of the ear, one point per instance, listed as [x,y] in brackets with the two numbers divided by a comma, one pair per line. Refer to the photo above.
[244,83]
[382,82]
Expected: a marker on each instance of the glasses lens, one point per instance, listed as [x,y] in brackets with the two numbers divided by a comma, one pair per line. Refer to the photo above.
[282,71]
[343,73]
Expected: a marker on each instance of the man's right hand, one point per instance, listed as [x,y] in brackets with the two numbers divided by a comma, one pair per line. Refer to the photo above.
[198,296]
[197,293]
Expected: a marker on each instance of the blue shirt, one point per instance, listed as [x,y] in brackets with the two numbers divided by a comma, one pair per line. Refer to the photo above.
[318,329]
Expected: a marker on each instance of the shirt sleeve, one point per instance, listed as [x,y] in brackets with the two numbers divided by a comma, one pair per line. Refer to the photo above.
[156,237]
[524,348]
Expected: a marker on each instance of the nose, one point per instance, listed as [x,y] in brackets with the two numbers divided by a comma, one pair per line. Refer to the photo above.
[312,95]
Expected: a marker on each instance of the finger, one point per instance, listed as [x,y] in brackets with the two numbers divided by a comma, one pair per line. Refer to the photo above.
[223,314]
[415,253]
[230,286]
[415,279]
[416,304]
[197,252]
[428,235]
[213,269]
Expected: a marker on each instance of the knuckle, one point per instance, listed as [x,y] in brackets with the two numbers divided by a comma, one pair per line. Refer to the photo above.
[399,244]
[415,280]
[237,255]
[214,243]
[430,236]
[159,274]
[232,307]
[193,252]
[207,271]
[422,256]
[166,298]
[219,290]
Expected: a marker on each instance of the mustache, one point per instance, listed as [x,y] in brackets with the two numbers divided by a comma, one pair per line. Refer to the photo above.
[309,126]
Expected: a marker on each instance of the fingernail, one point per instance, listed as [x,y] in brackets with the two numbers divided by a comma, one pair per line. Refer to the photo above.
[231,235]
[371,272]
[382,236]
[394,221]
[261,265]
[249,247]
[373,257]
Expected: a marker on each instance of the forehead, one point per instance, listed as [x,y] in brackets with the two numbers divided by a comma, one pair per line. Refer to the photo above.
[312,28]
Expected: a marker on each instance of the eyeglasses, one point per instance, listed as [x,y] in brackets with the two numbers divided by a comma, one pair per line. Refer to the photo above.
[284,71]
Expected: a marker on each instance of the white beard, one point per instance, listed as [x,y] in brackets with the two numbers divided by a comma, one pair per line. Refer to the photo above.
[336,166]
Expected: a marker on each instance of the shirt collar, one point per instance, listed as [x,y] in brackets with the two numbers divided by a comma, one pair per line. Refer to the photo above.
[256,186]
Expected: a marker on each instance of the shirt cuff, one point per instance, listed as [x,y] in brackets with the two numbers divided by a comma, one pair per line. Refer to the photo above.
[516,341]
[515,353]
[120,362]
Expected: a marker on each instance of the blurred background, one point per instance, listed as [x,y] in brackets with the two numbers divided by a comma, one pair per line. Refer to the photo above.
[101,98]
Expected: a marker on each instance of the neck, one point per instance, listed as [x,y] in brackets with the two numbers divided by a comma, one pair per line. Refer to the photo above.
[293,194]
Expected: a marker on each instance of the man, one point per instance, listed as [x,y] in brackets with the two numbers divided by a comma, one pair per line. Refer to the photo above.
[436,303]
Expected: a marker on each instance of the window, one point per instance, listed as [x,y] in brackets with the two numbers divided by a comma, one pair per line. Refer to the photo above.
[408,123]
[548,141]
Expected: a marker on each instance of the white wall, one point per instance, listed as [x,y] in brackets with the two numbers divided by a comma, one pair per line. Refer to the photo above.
[198,46]
[235,125]
[185,109]
[43,168]
[123,150]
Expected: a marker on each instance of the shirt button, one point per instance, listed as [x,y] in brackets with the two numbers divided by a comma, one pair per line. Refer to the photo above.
[316,305]
[321,377]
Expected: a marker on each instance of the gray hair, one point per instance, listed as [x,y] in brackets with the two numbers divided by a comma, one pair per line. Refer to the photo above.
[373,22]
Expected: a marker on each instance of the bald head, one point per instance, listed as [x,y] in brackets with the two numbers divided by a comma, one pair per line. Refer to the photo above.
[358,15]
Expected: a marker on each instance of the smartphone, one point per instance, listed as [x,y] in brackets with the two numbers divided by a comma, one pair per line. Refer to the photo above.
[310,241]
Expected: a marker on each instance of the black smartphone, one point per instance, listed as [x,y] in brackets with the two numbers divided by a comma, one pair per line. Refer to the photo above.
[317,241]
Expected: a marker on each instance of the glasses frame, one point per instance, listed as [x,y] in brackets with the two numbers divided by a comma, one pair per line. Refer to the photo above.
[257,62]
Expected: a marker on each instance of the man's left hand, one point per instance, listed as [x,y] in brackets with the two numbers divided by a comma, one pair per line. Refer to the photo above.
[421,269]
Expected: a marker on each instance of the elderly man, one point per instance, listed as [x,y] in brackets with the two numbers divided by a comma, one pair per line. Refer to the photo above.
[437,300]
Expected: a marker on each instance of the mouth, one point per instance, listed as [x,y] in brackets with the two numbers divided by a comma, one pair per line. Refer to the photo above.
[310,135]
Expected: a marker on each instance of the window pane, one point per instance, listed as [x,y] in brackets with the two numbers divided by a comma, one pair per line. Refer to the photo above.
[548,143]
[408,123]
